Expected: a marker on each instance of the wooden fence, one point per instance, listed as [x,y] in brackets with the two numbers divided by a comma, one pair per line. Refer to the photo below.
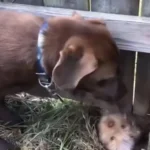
[130,32]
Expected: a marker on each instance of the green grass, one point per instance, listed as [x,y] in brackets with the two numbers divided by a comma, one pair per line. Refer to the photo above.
[52,125]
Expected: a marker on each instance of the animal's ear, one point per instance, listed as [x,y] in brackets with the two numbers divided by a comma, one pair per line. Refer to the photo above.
[77,16]
[105,71]
[97,22]
[74,63]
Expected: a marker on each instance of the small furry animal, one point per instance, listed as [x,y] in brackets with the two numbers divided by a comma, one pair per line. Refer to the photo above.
[119,132]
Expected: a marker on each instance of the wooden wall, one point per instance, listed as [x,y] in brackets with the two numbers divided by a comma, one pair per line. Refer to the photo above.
[127,59]
[142,90]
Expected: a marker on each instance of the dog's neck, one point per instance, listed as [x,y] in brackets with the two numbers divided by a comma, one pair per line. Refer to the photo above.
[54,41]
[51,39]
[40,44]
[43,77]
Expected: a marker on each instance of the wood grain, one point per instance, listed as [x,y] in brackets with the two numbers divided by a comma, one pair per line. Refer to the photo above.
[29,2]
[73,4]
[125,7]
[130,32]
[146,8]
[127,59]
[142,90]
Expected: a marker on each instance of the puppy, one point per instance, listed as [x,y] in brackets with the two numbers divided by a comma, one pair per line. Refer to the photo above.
[122,132]
[78,55]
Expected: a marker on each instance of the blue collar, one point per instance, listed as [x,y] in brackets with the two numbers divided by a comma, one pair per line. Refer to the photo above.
[44,79]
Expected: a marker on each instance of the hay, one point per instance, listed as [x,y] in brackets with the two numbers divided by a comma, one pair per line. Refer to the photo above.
[52,125]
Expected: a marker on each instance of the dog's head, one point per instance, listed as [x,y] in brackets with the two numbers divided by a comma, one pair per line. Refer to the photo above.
[88,61]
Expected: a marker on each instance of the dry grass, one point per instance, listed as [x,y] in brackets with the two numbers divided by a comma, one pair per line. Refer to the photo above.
[52,125]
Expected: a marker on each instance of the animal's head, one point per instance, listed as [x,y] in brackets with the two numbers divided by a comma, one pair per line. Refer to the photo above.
[118,132]
[88,61]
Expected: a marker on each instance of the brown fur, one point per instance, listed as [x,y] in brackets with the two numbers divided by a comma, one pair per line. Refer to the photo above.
[18,40]
[18,45]
[79,54]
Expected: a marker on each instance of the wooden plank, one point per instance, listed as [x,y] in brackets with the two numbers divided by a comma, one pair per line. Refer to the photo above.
[127,58]
[148,147]
[146,8]
[125,7]
[127,72]
[73,4]
[130,32]
[30,2]
[142,91]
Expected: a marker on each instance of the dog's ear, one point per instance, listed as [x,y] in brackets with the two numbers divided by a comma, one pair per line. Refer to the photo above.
[74,63]
[77,16]
[105,71]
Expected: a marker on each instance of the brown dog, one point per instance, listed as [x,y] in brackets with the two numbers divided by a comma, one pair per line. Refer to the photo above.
[80,56]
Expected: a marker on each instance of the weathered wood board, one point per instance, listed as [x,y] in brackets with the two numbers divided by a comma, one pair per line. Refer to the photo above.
[146,8]
[142,90]
[29,2]
[126,7]
[73,4]
[130,32]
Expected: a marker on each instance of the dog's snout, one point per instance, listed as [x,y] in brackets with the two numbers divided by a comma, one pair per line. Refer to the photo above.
[62,81]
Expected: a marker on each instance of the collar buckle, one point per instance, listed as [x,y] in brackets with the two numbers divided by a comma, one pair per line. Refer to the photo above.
[50,87]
